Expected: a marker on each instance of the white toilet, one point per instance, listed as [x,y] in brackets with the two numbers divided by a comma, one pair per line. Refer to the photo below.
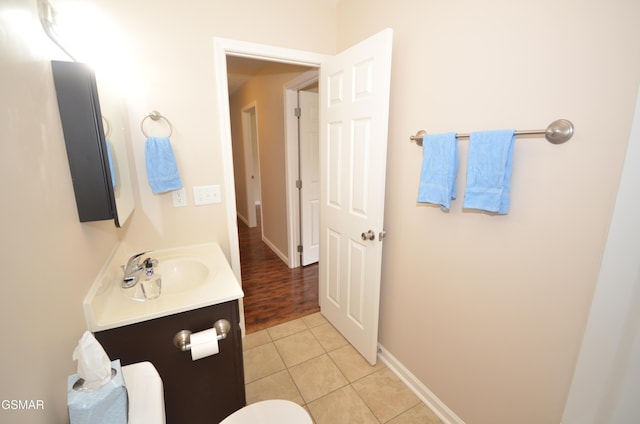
[146,402]
[275,411]
[146,395]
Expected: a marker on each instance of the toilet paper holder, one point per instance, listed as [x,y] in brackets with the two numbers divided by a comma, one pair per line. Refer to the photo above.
[182,339]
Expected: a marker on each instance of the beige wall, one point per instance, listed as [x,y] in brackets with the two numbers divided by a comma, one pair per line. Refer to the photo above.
[488,311]
[171,62]
[48,258]
[266,90]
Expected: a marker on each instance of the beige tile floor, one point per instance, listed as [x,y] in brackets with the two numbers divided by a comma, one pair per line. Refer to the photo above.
[308,362]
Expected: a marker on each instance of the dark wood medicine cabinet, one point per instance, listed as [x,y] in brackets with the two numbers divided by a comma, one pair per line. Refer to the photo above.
[98,163]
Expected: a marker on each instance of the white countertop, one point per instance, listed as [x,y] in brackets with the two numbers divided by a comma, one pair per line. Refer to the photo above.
[106,306]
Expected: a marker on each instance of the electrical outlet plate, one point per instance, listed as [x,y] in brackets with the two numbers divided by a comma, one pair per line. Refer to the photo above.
[205,195]
[179,198]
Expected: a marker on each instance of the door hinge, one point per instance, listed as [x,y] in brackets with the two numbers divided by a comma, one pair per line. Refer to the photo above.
[299,184]
[298,112]
[299,248]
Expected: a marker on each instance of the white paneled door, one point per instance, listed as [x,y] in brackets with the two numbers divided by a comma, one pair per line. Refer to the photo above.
[310,176]
[354,108]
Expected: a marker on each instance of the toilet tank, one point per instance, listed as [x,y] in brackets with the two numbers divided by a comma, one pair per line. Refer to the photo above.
[146,395]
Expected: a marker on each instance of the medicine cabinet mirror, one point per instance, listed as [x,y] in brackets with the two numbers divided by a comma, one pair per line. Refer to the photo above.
[115,119]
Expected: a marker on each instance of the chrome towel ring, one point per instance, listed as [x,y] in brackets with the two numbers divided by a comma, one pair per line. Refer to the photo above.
[155,116]
[107,127]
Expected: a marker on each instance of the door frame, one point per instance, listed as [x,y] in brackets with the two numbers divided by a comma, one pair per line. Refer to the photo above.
[292,160]
[251,156]
[221,48]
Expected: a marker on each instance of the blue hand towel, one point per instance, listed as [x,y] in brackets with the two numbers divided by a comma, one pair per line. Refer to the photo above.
[162,170]
[439,169]
[112,167]
[489,168]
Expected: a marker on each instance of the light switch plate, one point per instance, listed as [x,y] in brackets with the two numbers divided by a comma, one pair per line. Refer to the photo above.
[205,195]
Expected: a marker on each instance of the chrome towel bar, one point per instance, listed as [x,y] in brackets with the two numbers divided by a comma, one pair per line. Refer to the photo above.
[558,132]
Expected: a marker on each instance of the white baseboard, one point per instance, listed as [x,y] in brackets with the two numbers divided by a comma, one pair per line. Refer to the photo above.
[281,255]
[426,396]
[243,219]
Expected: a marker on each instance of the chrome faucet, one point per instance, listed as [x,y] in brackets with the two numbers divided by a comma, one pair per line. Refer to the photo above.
[132,271]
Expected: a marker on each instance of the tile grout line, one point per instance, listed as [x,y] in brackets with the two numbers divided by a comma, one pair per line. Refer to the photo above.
[326,352]
[350,383]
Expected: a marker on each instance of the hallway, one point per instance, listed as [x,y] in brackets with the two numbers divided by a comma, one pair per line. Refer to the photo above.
[273,293]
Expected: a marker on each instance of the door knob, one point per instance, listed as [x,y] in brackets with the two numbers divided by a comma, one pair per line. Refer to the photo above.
[369,235]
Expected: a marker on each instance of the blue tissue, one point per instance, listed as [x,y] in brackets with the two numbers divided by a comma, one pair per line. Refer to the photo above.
[107,405]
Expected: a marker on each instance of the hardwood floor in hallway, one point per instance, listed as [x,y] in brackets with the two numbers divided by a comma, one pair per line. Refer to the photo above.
[273,293]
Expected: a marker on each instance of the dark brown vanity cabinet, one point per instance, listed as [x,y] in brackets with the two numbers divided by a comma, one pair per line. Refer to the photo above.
[203,391]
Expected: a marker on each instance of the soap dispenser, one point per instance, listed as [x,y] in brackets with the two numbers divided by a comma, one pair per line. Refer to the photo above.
[151,282]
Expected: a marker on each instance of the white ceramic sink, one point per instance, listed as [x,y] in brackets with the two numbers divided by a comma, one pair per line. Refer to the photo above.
[192,277]
[182,274]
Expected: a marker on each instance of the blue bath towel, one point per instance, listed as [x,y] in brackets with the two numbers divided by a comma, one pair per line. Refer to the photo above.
[112,166]
[162,170]
[489,168]
[439,169]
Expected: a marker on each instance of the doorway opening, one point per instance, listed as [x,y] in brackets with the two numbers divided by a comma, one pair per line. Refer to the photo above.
[354,100]
[269,145]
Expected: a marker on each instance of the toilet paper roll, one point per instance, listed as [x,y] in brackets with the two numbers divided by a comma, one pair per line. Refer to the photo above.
[204,343]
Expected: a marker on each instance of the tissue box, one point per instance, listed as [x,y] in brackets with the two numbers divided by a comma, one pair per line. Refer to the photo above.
[107,405]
